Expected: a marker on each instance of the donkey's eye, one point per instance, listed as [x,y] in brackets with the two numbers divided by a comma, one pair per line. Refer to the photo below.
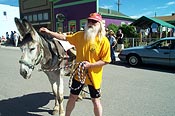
[31,49]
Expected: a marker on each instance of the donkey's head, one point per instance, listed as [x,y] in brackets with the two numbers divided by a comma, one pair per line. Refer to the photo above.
[30,46]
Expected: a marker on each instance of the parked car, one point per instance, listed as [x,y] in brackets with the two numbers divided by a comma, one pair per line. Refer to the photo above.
[161,52]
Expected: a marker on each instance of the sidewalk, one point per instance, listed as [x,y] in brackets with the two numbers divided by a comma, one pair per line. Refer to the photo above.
[9,47]
[116,55]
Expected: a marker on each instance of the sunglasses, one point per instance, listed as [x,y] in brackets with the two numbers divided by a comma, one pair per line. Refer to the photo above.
[92,21]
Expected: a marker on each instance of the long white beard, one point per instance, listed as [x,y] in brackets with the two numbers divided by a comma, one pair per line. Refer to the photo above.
[91,32]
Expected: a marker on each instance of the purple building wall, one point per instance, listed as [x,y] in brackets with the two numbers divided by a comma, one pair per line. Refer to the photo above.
[81,11]
[114,21]
[75,12]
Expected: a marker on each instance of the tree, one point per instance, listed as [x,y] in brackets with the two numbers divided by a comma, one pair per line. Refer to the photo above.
[113,27]
[129,31]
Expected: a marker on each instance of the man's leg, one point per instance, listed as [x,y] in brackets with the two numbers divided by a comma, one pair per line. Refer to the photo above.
[97,106]
[95,96]
[73,96]
[71,104]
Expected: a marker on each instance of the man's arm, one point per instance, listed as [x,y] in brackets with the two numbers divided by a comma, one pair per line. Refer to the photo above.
[53,34]
[122,35]
[95,64]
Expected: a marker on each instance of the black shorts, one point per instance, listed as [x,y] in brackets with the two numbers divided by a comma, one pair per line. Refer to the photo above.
[94,93]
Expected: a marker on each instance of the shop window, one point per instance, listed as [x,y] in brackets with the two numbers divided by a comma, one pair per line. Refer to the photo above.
[40,17]
[46,16]
[83,23]
[59,27]
[25,17]
[30,18]
[72,26]
[35,18]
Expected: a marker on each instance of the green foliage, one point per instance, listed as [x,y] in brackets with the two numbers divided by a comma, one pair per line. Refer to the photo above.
[113,27]
[129,31]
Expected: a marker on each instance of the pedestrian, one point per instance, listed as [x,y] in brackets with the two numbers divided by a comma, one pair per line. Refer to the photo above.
[12,38]
[16,38]
[93,50]
[120,40]
[7,37]
[3,40]
[113,43]
[107,32]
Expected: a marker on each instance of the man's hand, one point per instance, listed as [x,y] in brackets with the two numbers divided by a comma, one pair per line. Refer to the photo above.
[45,30]
[87,64]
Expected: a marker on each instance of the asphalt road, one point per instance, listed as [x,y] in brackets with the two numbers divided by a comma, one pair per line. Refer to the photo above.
[126,91]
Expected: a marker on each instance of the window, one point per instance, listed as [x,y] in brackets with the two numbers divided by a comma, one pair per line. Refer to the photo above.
[35,18]
[167,44]
[82,23]
[59,27]
[46,16]
[30,18]
[72,26]
[25,17]
[40,17]
[5,13]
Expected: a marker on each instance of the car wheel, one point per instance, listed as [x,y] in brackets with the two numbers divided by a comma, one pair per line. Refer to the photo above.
[133,60]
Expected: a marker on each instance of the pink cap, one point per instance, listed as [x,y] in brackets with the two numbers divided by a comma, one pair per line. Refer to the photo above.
[95,16]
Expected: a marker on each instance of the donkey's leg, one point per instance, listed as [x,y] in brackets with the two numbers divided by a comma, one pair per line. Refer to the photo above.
[60,96]
[55,89]
[53,78]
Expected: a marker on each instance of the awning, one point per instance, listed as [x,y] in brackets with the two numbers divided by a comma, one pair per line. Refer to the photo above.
[145,22]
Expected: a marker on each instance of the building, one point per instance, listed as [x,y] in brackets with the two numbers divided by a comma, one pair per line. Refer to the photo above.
[67,15]
[38,12]
[170,19]
[7,14]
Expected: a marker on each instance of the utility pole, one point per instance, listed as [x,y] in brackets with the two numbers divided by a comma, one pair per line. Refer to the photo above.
[155,14]
[118,4]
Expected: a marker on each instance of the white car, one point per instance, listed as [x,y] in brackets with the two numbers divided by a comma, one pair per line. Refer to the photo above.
[161,52]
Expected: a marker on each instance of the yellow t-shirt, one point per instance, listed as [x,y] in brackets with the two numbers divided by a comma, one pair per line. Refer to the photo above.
[92,52]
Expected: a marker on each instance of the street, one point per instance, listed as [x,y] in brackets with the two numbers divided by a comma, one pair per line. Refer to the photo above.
[126,91]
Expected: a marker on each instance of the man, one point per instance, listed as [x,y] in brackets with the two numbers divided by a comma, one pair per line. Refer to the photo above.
[93,49]
[120,40]
[113,42]
[16,38]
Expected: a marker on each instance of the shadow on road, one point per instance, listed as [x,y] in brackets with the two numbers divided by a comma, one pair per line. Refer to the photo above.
[153,67]
[22,106]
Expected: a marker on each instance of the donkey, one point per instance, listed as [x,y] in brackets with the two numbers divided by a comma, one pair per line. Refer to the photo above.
[41,49]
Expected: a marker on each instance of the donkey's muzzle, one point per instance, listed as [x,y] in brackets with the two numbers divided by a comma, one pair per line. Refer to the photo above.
[23,73]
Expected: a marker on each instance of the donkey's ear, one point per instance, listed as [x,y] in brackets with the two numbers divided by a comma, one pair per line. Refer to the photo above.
[28,26]
[30,29]
[21,28]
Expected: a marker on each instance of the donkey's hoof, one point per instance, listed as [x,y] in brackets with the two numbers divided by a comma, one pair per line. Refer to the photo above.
[62,114]
[55,112]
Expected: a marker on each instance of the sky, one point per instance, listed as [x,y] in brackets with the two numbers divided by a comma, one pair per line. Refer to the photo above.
[132,8]
[138,8]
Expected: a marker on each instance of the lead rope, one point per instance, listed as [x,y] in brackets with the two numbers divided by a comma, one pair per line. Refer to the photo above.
[82,72]
[81,76]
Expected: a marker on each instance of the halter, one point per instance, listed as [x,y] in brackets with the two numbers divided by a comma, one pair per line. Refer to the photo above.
[32,66]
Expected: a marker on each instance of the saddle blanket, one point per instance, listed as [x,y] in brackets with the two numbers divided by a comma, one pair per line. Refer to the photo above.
[66,45]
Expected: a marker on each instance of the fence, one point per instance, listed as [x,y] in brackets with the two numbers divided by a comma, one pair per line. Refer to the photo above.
[131,42]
